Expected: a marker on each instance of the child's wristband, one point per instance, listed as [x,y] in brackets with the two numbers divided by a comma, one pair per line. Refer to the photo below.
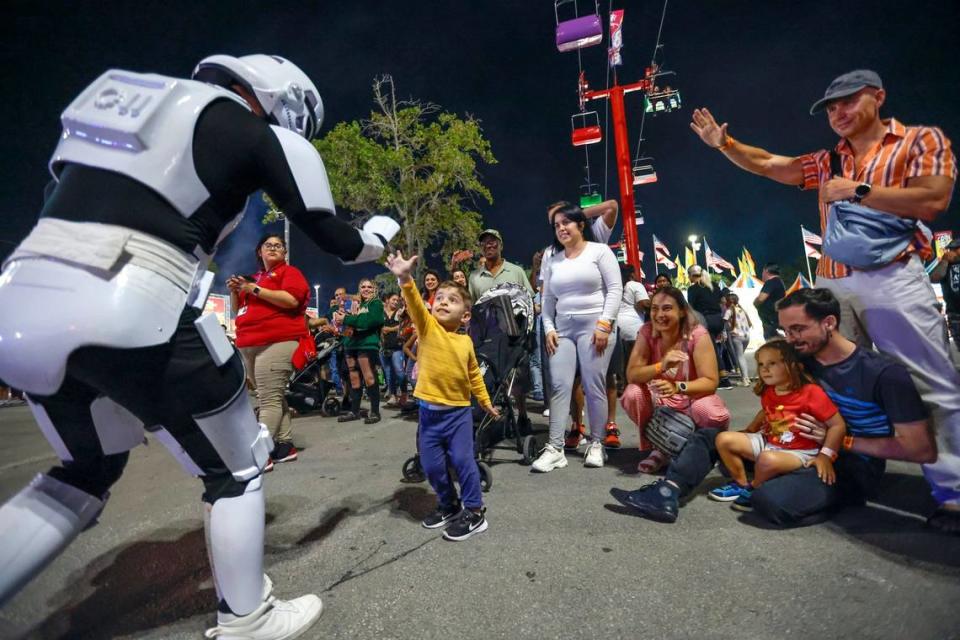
[847,443]
[605,326]
[830,453]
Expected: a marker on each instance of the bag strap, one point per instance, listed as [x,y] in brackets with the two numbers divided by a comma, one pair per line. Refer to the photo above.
[836,164]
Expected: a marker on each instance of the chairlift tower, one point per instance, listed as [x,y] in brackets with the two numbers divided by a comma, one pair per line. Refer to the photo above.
[624,164]
[581,31]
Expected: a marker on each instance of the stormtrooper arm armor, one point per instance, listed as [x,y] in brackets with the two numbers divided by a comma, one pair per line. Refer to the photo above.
[309,204]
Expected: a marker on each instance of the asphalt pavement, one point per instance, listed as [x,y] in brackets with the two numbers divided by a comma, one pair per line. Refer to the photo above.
[560,560]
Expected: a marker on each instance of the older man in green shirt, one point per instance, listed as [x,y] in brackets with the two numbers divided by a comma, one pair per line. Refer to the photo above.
[496,270]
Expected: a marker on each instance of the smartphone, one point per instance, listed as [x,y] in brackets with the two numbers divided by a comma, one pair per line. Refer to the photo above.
[248,278]
[347,305]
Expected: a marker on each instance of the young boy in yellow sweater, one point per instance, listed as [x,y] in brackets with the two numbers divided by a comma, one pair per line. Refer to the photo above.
[448,375]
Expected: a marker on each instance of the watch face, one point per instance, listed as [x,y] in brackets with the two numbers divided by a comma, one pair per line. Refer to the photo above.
[862,190]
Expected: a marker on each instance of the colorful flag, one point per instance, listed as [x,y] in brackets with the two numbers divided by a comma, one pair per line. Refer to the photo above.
[659,247]
[664,260]
[748,261]
[616,38]
[811,237]
[714,260]
[811,252]
[690,259]
[799,283]
[682,277]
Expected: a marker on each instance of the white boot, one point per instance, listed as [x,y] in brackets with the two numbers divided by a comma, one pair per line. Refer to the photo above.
[36,525]
[273,620]
[234,529]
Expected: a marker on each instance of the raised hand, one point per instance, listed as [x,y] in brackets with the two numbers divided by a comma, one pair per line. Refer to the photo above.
[705,126]
[400,266]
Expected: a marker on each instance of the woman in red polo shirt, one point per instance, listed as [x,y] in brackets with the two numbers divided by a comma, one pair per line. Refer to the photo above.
[270,322]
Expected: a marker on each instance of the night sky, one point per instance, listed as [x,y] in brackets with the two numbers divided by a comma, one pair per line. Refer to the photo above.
[758,65]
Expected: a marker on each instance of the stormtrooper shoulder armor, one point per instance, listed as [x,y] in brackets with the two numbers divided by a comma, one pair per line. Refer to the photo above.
[140,125]
[308,170]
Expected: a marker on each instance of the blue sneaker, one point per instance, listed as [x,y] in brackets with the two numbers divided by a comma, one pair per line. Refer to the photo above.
[727,493]
[656,501]
[744,502]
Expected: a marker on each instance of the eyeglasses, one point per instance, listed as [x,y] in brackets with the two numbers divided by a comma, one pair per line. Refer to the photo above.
[276,246]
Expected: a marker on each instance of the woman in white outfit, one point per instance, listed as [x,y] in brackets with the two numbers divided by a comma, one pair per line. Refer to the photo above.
[581,298]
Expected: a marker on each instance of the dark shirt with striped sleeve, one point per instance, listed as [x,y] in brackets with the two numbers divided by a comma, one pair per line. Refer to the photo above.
[905,152]
[872,392]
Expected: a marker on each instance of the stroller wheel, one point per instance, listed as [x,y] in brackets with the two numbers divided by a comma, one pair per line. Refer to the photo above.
[486,476]
[529,451]
[412,471]
[331,406]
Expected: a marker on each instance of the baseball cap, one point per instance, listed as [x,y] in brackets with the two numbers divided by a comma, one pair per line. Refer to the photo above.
[847,85]
[490,232]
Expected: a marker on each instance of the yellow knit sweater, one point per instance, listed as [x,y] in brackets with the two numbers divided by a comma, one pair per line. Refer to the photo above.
[448,365]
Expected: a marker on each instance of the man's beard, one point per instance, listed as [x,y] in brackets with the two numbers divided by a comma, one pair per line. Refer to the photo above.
[814,346]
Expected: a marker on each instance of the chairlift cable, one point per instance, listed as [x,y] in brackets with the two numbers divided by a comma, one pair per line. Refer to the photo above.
[653,61]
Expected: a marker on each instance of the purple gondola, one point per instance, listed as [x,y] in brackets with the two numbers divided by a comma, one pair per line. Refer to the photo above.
[580,32]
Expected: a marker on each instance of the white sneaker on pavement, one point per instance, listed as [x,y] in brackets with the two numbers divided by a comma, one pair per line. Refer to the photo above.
[595,455]
[273,620]
[550,458]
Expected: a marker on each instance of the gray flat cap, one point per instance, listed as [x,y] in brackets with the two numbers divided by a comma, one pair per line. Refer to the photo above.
[847,85]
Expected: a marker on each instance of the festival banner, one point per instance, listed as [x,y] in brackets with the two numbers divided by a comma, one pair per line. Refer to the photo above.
[616,38]
[940,241]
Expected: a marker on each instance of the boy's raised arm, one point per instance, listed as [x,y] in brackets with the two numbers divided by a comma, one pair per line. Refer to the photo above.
[401,267]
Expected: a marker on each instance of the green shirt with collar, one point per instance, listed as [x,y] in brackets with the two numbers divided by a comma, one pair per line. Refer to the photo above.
[482,280]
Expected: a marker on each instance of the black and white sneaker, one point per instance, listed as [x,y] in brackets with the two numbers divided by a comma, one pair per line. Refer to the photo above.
[469,523]
[442,516]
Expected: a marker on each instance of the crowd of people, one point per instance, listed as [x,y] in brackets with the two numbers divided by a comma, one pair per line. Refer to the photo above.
[848,376]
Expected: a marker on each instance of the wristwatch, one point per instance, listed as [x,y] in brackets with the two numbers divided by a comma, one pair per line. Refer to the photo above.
[862,191]
[682,387]
[256,291]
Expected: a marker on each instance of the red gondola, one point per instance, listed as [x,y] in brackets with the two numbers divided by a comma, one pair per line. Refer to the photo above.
[588,131]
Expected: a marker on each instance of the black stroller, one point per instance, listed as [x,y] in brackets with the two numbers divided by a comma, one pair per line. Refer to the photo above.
[310,389]
[501,329]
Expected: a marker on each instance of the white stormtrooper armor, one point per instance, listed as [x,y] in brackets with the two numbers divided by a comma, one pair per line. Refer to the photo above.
[140,125]
[92,283]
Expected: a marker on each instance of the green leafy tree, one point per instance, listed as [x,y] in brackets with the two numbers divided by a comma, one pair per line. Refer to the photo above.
[414,162]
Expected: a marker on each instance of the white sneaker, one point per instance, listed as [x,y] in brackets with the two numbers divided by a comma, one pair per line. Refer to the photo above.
[546,413]
[551,458]
[273,620]
[595,455]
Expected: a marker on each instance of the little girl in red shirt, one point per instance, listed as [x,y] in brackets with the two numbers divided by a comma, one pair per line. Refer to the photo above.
[771,440]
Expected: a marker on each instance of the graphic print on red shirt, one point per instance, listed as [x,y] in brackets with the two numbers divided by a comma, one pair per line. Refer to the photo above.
[782,410]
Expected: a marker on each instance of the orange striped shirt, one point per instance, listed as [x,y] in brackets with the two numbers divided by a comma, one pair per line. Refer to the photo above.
[905,152]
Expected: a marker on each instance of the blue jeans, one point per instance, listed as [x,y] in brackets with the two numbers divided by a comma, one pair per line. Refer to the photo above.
[448,434]
[393,370]
[536,370]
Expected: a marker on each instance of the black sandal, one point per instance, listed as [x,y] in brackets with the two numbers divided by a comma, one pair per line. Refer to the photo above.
[373,418]
[350,416]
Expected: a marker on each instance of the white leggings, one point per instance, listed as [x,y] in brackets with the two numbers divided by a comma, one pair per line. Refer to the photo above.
[575,336]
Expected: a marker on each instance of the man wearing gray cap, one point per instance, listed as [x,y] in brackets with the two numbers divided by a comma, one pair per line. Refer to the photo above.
[907,171]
